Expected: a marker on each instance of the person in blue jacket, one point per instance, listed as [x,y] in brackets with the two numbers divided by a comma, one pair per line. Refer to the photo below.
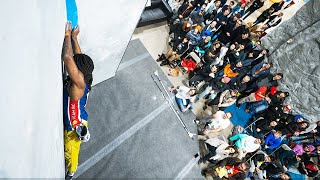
[272,141]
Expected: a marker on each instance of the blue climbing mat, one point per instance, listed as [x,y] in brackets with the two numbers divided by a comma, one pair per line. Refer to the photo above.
[296,176]
[239,116]
[72,12]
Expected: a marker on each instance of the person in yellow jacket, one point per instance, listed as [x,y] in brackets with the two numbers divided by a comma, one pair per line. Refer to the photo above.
[76,90]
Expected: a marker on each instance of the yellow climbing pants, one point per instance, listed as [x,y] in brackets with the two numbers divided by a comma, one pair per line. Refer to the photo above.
[71,150]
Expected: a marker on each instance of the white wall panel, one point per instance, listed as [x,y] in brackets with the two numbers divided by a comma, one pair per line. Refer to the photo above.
[31,135]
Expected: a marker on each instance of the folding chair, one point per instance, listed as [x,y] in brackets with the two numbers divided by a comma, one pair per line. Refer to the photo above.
[194,56]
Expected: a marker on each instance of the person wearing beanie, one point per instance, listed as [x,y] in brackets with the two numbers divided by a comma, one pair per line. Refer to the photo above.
[298,118]
[76,88]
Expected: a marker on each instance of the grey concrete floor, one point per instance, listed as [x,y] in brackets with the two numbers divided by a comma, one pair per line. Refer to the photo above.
[134,134]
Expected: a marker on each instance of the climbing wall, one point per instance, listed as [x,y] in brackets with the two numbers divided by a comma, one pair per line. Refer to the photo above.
[31,139]
[299,60]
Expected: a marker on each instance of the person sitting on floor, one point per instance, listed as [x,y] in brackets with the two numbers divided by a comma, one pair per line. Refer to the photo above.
[203,46]
[245,143]
[309,168]
[215,86]
[299,149]
[231,168]
[180,31]
[212,55]
[259,95]
[292,128]
[220,120]
[260,69]
[272,99]
[183,12]
[206,73]
[194,37]
[269,80]
[287,157]
[255,163]
[184,97]
[218,150]
[209,29]
[196,17]
[240,83]
[272,141]
[274,171]
[226,99]
[175,52]
[263,126]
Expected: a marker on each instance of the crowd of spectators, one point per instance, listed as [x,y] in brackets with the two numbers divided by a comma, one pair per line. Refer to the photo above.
[228,69]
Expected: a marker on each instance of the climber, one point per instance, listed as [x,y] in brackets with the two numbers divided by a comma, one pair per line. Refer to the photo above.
[76,88]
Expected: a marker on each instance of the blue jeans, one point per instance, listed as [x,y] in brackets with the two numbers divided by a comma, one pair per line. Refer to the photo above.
[258,106]
[181,105]
[206,92]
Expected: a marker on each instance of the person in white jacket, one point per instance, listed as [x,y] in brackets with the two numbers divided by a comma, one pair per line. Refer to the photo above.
[245,144]
[220,120]
[218,150]
[184,97]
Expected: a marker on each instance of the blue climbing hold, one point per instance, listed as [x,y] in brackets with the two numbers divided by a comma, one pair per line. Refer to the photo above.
[72,12]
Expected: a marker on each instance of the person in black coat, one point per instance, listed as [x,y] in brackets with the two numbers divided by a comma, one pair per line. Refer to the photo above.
[206,74]
[231,31]
[277,6]
[292,128]
[263,126]
[274,171]
[185,10]
[180,30]
[240,83]
[309,168]
[212,54]
[264,16]
[274,20]
[257,4]
[243,38]
[222,17]
[268,80]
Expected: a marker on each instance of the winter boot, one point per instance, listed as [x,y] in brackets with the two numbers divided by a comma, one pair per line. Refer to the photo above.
[161,58]
[164,62]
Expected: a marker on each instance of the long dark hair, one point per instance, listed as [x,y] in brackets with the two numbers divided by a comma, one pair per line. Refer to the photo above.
[86,66]
[235,150]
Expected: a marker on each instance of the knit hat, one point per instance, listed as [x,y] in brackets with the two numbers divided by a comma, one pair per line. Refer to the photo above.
[199,27]
[208,38]
[298,117]
[287,108]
